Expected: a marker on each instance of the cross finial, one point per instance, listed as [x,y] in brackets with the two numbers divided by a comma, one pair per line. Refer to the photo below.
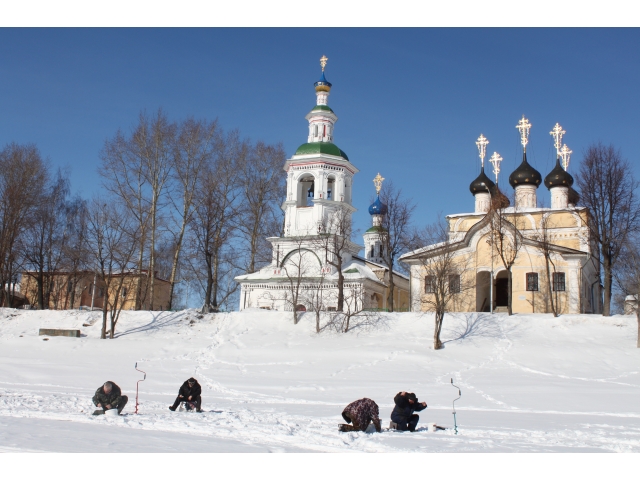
[557,134]
[378,183]
[482,147]
[565,153]
[495,161]
[323,62]
[524,126]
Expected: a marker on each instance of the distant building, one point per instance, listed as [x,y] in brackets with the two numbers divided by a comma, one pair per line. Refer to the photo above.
[575,276]
[69,291]
[319,190]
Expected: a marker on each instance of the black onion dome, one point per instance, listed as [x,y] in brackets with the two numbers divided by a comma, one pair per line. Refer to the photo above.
[558,177]
[482,184]
[525,174]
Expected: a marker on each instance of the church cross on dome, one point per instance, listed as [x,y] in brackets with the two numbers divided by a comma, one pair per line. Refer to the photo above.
[323,62]
[557,134]
[524,126]
[495,161]
[565,153]
[482,147]
[377,181]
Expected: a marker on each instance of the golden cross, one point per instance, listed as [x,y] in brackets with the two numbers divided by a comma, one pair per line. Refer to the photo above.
[323,62]
[565,153]
[495,161]
[482,147]
[524,126]
[557,134]
[378,182]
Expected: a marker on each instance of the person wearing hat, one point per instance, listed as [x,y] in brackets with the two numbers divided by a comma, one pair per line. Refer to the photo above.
[109,396]
[189,392]
[402,415]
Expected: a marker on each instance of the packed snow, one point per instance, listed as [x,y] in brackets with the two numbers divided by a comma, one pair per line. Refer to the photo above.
[530,383]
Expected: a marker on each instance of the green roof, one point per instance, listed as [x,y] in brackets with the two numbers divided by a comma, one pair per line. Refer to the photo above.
[375,229]
[320,147]
[324,108]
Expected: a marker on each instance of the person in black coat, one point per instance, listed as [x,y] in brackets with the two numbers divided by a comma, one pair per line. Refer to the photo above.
[402,415]
[189,392]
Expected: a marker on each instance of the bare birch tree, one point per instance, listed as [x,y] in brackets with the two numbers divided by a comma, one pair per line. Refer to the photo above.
[334,240]
[396,231]
[112,237]
[609,190]
[214,221]
[193,150]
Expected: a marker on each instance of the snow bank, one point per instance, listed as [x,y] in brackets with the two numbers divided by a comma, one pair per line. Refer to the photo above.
[529,382]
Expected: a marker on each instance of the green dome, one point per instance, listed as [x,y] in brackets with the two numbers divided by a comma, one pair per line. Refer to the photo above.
[321,147]
[323,108]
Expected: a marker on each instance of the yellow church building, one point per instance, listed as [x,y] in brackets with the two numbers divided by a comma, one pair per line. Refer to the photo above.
[550,249]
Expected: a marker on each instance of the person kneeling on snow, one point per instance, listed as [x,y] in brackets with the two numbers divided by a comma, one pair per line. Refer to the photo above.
[361,412]
[109,396]
[189,392]
[402,415]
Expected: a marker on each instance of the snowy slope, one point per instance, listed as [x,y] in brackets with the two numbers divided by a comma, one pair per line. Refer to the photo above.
[529,382]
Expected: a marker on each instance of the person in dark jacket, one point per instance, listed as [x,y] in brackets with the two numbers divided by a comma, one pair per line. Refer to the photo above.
[361,412]
[109,396]
[402,415]
[189,392]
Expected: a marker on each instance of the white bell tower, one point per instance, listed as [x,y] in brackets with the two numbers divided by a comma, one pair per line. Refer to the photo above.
[319,183]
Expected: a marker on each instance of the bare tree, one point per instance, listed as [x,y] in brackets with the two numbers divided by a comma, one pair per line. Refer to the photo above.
[609,190]
[112,235]
[317,295]
[193,149]
[334,240]
[396,231]
[544,245]
[446,275]
[505,225]
[214,221]
[263,189]
[356,312]
[23,174]
[44,241]
[300,267]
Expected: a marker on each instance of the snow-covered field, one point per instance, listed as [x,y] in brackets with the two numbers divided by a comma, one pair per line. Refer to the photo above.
[530,383]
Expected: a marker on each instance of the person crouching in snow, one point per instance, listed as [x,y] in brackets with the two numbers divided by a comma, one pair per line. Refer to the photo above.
[402,415]
[360,413]
[109,396]
[189,392]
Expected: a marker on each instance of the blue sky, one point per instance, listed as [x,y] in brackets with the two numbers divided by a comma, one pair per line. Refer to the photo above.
[411,102]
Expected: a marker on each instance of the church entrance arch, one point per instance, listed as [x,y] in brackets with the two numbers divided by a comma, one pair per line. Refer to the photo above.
[502,289]
[483,291]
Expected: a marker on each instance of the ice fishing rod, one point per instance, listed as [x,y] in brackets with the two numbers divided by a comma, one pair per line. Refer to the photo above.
[145,377]
[455,424]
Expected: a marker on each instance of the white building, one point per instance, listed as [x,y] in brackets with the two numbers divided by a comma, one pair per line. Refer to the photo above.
[318,209]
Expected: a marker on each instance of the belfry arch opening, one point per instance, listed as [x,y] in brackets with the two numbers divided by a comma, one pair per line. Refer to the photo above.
[306,190]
